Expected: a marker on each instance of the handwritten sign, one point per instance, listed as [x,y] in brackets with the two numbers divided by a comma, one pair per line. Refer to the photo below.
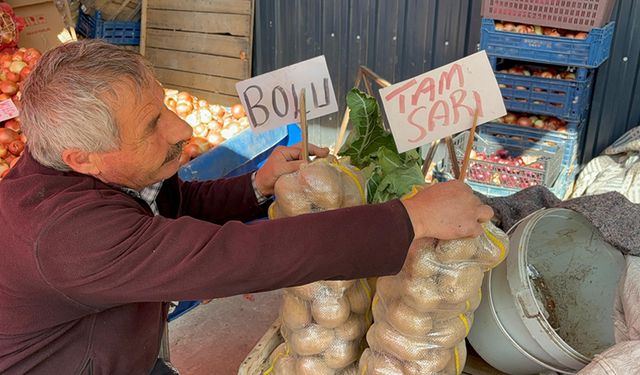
[8,110]
[442,102]
[271,99]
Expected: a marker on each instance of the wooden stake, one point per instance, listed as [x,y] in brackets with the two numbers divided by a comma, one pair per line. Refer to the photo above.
[467,152]
[343,131]
[303,126]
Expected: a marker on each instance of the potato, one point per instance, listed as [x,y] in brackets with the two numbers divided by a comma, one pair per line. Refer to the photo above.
[389,287]
[455,367]
[291,198]
[408,321]
[421,263]
[278,352]
[339,287]
[448,333]
[437,361]
[295,312]
[313,366]
[310,291]
[285,366]
[322,185]
[423,295]
[383,338]
[459,284]
[493,248]
[341,354]
[359,299]
[352,329]
[353,196]
[456,250]
[311,340]
[372,363]
[330,312]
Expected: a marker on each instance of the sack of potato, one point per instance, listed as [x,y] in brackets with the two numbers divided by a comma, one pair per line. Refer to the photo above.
[422,314]
[323,323]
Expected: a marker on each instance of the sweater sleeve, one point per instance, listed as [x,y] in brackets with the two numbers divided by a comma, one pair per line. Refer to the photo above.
[101,255]
[217,201]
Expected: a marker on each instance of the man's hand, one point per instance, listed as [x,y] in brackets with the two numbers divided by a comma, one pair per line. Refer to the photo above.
[283,160]
[447,211]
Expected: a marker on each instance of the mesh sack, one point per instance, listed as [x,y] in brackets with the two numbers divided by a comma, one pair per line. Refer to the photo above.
[323,323]
[423,314]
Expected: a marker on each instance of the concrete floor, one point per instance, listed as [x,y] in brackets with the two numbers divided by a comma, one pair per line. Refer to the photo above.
[215,338]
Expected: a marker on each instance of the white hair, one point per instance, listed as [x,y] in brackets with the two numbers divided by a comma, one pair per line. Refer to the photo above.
[67,100]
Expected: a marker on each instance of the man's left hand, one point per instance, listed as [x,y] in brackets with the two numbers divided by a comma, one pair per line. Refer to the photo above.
[283,160]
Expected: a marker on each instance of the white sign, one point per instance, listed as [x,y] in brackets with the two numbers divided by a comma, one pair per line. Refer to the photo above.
[271,99]
[8,110]
[442,102]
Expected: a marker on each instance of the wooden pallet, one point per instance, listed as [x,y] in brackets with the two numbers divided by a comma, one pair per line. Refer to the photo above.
[256,361]
[201,46]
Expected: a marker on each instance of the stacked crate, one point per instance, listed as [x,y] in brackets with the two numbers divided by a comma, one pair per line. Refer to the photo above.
[516,54]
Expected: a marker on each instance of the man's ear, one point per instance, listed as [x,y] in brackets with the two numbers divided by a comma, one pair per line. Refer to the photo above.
[81,161]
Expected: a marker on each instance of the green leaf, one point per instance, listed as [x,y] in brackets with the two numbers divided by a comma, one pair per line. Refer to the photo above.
[368,133]
[371,148]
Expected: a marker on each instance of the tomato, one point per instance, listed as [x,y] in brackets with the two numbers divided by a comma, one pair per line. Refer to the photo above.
[3,151]
[237,111]
[8,87]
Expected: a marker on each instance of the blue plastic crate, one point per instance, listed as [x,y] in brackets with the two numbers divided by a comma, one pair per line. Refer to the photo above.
[569,141]
[565,99]
[550,157]
[114,32]
[590,52]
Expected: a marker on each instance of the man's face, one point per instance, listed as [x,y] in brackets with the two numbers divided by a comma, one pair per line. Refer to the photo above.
[151,139]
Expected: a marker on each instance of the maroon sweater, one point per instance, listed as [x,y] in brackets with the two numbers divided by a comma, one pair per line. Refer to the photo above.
[85,266]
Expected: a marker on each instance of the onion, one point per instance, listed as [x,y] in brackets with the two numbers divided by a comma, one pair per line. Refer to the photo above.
[4,169]
[202,143]
[13,124]
[185,97]
[192,150]
[237,111]
[3,152]
[200,130]
[205,115]
[184,108]
[8,87]
[192,119]
[7,136]
[214,138]
[13,77]
[17,66]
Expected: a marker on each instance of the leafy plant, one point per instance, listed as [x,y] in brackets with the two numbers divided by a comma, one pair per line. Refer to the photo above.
[371,148]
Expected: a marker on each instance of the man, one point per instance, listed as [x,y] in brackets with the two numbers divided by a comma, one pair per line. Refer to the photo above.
[98,230]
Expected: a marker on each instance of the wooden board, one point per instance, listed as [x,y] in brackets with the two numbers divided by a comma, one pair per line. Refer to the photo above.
[214,44]
[220,23]
[200,46]
[219,85]
[218,6]
[199,63]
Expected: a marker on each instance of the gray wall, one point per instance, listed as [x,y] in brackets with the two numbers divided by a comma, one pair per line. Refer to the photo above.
[399,39]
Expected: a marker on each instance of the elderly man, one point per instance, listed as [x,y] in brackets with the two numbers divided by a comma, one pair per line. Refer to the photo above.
[98,230]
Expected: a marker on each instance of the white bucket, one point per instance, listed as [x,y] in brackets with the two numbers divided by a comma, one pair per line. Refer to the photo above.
[581,273]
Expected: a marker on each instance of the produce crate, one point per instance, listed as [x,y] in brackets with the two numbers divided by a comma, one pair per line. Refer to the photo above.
[569,142]
[495,174]
[566,99]
[203,47]
[114,32]
[581,15]
[589,53]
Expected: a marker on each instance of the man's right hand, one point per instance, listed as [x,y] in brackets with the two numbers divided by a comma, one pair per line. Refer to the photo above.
[447,211]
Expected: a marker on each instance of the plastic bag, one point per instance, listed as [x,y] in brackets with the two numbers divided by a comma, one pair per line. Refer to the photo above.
[323,323]
[422,314]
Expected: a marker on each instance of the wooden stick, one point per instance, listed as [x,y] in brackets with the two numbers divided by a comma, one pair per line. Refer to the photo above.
[143,27]
[429,158]
[452,156]
[343,131]
[467,152]
[303,126]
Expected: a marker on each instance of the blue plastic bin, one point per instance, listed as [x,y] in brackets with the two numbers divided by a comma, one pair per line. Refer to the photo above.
[114,32]
[589,53]
[241,154]
[569,141]
[565,99]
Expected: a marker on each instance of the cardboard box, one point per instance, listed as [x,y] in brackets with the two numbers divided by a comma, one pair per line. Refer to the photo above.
[44,23]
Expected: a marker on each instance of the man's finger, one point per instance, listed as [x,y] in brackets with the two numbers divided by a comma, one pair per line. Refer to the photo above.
[485,213]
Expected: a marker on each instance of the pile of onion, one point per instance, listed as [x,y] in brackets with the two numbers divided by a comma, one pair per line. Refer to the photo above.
[15,66]
[212,123]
